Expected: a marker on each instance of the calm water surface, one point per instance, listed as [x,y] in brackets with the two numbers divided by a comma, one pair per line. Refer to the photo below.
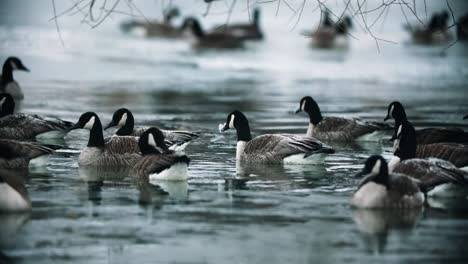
[274,214]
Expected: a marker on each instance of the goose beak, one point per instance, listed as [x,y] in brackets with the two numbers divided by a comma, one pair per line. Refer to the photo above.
[298,110]
[386,118]
[223,127]
[75,126]
[111,124]
[23,68]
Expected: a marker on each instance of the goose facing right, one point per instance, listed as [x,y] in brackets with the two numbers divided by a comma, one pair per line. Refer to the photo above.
[198,38]
[250,31]
[113,151]
[7,83]
[338,128]
[273,148]
[26,126]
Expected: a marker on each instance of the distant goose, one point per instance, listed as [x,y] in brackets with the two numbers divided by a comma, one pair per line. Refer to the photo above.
[427,135]
[250,31]
[331,35]
[7,83]
[200,39]
[123,118]
[269,148]
[379,189]
[23,154]
[164,29]
[113,151]
[158,162]
[25,126]
[338,128]
[434,173]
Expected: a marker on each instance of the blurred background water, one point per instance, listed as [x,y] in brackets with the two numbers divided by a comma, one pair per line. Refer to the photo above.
[278,214]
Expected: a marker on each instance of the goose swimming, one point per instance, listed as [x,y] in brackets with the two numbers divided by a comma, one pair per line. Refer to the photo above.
[7,83]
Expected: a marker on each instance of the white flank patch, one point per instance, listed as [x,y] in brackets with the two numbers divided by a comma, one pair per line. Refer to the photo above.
[123,120]
[179,147]
[240,149]
[395,161]
[231,122]
[390,114]
[176,189]
[464,169]
[449,190]
[374,136]
[311,159]
[11,200]
[370,195]
[39,161]
[177,172]
[52,134]
[310,130]
[89,125]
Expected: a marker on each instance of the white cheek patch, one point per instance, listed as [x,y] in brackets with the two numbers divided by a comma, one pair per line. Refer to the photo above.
[2,102]
[396,145]
[390,113]
[89,125]
[123,120]
[399,130]
[13,65]
[376,168]
[303,106]
[151,141]
[231,122]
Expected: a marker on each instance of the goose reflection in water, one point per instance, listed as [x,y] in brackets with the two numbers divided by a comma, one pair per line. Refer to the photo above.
[376,225]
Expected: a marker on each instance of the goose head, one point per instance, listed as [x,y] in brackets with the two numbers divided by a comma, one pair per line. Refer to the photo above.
[192,26]
[395,111]
[308,105]
[170,14]
[14,63]
[121,117]
[7,104]
[256,16]
[152,142]
[376,170]
[237,120]
[88,120]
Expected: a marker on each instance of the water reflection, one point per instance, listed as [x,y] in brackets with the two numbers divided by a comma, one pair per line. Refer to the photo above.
[10,224]
[375,225]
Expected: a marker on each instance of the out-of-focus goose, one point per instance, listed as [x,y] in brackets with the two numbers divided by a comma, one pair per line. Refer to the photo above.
[200,39]
[379,189]
[23,154]
[436,175]
[113,151]
[338,128]
[25,126]
[330,35]
[13,194]
[270,148]
[426,135]
[175,140]
[7,83]
[250,31]
[164,29]
[158,162]
[436,31]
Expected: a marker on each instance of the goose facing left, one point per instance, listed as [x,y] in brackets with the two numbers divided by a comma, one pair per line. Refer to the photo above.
[7,83]
[273,148]
[26,126]
[113,151]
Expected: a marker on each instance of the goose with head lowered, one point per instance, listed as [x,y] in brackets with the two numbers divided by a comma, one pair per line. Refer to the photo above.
[438,176]
[24,154]
[338,128]
[113,151]
[427,135]
[157,161]
[123,118]
[273,148]
[7,83]
[198,38]
[381,189]
[26,126]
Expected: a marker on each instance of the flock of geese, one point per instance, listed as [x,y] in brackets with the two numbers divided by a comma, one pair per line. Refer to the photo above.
[427,161]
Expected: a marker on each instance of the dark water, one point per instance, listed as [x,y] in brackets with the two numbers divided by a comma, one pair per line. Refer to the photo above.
[295,214]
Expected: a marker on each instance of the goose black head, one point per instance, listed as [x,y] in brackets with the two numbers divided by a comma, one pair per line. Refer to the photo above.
[122,117]
[170,14]
[396,111]
[7,104]
[465,117]
[88,120]
[193,25]
[308,105]
[256,16]
[376,170]
[14,63]
[405,143]
[237,120]
[152,142]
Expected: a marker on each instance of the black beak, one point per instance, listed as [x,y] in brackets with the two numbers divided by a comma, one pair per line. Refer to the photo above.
[386,118]
[298,110]
[23,68]
[223,128]
[75,126]
[111,124]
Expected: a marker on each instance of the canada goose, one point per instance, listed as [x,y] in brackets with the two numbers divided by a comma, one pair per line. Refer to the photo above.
[250,31]
[23,154]
[427,135]
[330,35]
[269,148]
[13,194]
[25,126]
[175,140]
[113,151]
[379,189]
[200,39]
[7,83]
[157,161]
[164,29]
[338,128]
[436,32]
[434,173]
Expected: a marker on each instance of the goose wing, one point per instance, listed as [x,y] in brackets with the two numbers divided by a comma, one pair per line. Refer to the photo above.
[437,135]
[431,172]
[283,145]
[339,127]
[138,131]
[25,149]
[455,153]
[156,163]
[24,126]
[178,137]
[122,145]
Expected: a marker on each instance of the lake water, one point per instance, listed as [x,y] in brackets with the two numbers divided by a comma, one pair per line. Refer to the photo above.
[278,214]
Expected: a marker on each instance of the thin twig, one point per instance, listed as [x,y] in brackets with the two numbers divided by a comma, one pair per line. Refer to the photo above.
[57,25]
